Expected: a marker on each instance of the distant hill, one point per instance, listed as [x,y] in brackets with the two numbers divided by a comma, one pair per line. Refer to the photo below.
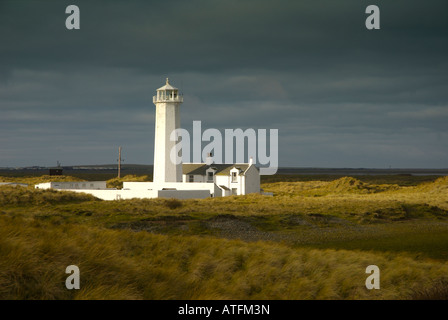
[79,169]
[148,169]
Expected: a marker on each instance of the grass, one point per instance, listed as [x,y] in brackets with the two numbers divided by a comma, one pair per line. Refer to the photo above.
[118,264]
[400,179]
[118,182]
[32,179]
[312,240]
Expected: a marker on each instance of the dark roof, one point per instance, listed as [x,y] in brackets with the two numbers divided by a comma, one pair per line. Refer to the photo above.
[221,169]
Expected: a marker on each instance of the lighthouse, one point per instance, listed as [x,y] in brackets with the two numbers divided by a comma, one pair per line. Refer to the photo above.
[167,102]
[174,179]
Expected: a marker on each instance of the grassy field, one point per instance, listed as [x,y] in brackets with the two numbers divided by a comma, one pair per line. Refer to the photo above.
[312,240]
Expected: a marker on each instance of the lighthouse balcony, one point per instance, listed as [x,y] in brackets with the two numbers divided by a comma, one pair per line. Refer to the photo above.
[168,98]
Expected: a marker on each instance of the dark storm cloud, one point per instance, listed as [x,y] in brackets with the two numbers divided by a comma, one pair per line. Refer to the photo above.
[339,94]
[212,36]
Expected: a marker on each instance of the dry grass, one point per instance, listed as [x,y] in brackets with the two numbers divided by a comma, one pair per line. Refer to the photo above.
[32,180]
[173,204]
[126,265]
[20,196]
[437,290]
[323,234]
[118,182]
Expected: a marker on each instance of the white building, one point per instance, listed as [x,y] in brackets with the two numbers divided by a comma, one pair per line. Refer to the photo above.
[171,180]
[232,179]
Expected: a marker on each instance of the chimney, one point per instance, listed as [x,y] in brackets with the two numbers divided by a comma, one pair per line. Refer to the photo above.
[209,159]
[251,161]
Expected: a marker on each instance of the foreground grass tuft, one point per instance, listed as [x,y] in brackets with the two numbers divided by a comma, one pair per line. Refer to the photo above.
[173,203]
[438,290]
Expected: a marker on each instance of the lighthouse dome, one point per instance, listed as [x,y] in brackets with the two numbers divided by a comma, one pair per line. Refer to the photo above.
[167,86]
[167,93]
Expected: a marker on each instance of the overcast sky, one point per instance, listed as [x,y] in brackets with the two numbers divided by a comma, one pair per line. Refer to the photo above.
[339,94]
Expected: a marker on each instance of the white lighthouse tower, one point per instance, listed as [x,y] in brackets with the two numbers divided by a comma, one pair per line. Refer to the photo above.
[167,103]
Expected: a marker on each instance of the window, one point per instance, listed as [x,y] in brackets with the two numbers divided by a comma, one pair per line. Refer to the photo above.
[234,177]
[234,191]
[209,176]
[191,178]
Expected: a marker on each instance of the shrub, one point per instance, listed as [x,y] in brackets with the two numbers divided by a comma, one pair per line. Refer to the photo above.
[118,182]
[173,204]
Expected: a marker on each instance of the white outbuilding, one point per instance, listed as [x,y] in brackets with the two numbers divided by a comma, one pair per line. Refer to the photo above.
[232,179]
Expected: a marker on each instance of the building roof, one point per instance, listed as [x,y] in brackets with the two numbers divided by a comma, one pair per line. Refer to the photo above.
[221,169]
[167,86]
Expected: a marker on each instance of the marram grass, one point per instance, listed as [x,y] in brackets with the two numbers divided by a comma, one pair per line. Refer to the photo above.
[328,233]
[120,264]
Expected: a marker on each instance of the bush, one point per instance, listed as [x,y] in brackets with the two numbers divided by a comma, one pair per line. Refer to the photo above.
[118,182]
[173,204]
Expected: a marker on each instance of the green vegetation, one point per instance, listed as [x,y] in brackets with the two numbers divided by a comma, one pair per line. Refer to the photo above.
[118,182]
[312,240]
[32,180]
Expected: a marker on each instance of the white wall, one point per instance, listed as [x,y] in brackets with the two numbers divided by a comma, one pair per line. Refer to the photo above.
[252,180]
[239,184]
[138,185]
[211,187]
[72,185]
[245,184]
[113,194]
[44,185]
[227,181]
